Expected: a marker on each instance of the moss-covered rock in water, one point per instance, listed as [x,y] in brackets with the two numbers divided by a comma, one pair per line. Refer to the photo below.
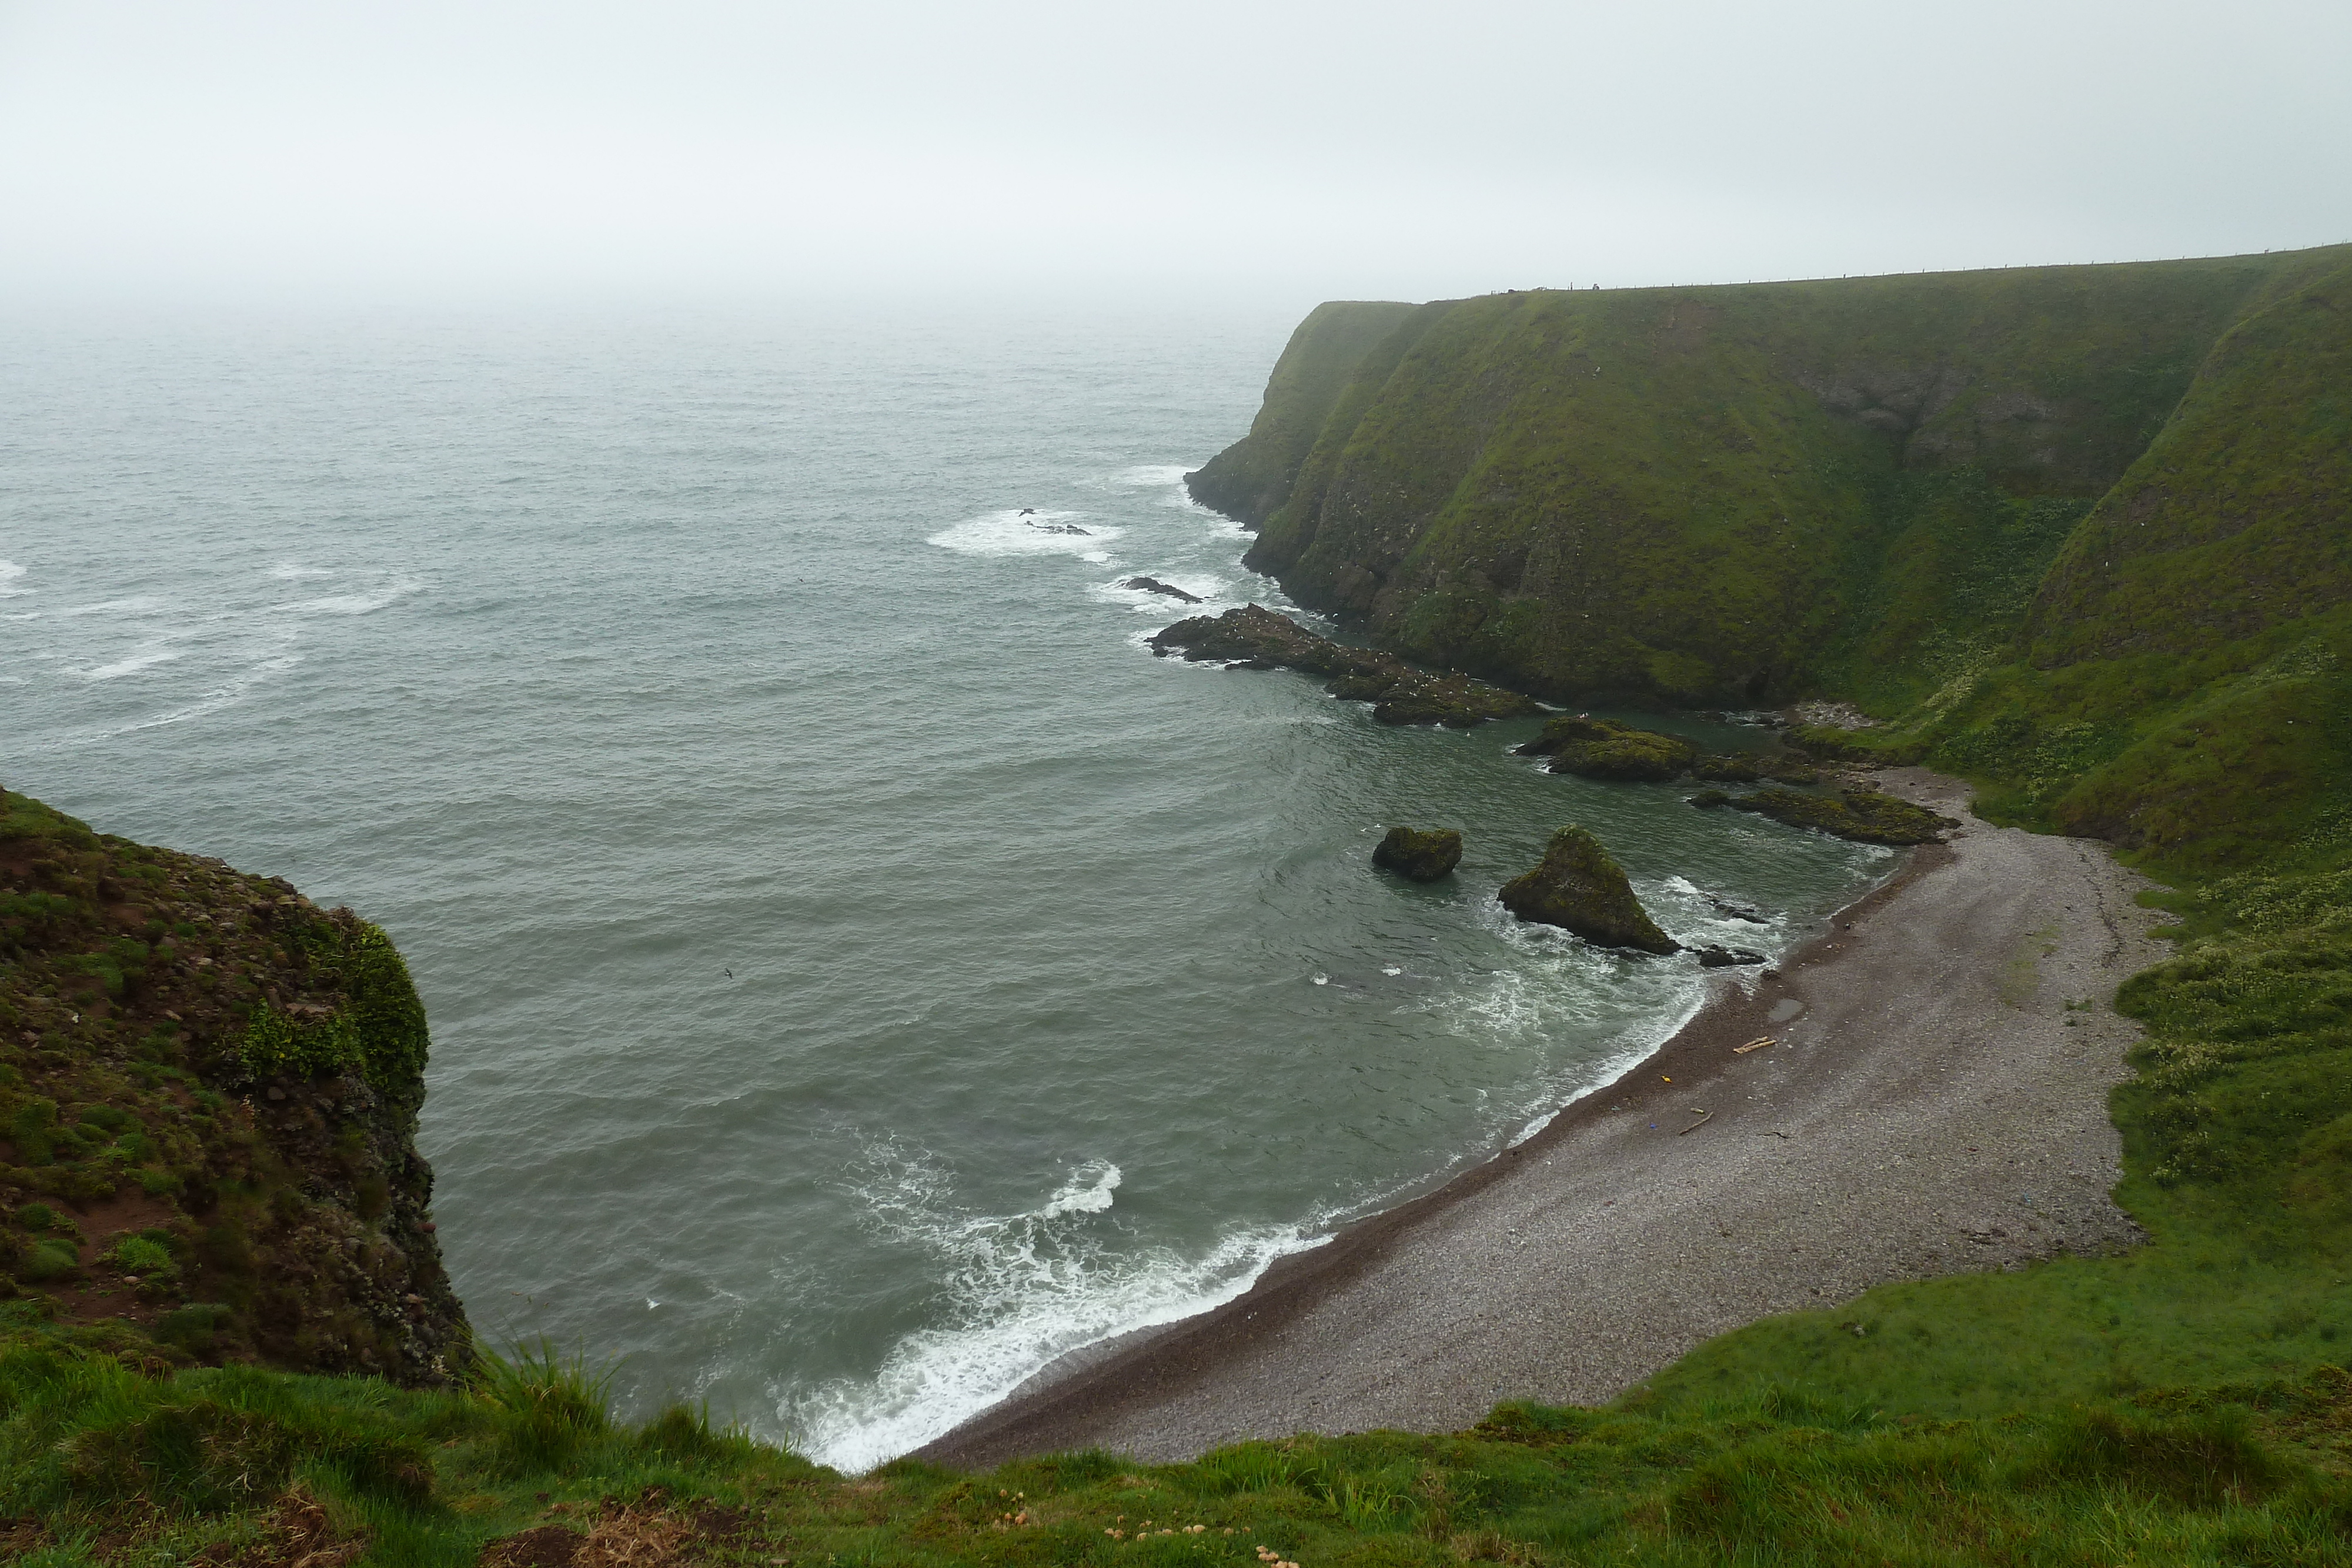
[1579,888]
[1747,767]
[1456,702]
[1423,854]
[1865,816]
[1605,748]
[208,1099]
[1254,637]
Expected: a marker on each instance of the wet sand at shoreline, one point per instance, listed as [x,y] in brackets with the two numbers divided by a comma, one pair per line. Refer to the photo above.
[1929,1105]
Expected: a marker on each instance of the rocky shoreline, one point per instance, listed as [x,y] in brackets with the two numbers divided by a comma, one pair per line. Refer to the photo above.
[1255,638]
[1870,1111]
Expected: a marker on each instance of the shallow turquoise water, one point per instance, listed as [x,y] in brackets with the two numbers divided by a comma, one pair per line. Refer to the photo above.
[859,971]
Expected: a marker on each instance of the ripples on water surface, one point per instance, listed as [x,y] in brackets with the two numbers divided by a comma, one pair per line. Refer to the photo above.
[859,971]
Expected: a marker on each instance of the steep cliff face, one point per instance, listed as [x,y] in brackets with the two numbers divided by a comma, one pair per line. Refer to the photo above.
[1250,478]
[1727,494]
[2083,533]
[208,1099]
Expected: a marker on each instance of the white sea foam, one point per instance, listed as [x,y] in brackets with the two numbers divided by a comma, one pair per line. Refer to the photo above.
[1023,1290]
[146,656]
[361,604]
[137,604]
[1150,476]
[1088,1190]
[9,572]
[287,572]
[1009,533]
[225,694]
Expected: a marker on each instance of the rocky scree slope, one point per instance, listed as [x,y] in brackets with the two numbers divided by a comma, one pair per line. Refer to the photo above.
[208,1099]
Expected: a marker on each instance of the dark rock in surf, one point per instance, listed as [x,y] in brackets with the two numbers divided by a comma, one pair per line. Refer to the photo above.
[1256,638]
[1579,888]
[1423,854]
[1715,957]
[1153,585]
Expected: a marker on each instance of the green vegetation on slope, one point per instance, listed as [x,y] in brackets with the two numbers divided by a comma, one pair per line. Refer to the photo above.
[1736,494]
[208,1097]
[1250,478]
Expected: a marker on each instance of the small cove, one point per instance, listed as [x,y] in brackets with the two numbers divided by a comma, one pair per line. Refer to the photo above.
[860,972]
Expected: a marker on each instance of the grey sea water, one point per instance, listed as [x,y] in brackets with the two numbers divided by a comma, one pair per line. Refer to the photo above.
[859,971]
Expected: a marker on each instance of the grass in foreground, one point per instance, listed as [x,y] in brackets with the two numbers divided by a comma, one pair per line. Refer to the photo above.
[233,1466]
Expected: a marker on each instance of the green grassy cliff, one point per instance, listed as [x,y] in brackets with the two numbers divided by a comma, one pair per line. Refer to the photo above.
[1740,494]
[208,1099]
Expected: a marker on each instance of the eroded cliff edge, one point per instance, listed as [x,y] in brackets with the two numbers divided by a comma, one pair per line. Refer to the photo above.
[208,1099]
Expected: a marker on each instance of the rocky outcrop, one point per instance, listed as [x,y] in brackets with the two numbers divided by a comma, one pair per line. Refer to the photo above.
[1865,816]
[208,1099]
[1579,888]
[1605,748]
[1714,956]
[1420,854]
[1747,766]
[1254,637]
[1153,585]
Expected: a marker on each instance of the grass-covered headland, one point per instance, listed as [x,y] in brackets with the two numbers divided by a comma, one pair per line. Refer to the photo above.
[2078,535]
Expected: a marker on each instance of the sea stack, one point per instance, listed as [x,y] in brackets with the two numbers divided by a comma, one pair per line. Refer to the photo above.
[1423,854]
[1579,888]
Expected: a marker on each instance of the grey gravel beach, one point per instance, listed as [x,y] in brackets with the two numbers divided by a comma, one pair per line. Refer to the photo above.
[1930,1104]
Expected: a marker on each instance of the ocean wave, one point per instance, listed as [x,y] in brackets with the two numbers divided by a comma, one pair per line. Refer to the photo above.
[1140,476]
[9,572]
[147,656]
[137,604]
[1150,476]
[1022,1289]
[361,604]
[227,694]
[287,572]
[1009,532]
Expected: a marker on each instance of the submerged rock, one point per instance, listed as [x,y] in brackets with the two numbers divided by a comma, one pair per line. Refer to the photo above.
[1153,585]
[1423,854]
[1717,958]
[1579,888]
[1259,638]
[1865,816]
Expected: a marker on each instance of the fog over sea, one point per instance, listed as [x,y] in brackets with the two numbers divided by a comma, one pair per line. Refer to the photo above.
[859,971]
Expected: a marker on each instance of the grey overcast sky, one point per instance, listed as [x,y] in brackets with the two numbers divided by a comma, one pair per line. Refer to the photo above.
[716,148]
